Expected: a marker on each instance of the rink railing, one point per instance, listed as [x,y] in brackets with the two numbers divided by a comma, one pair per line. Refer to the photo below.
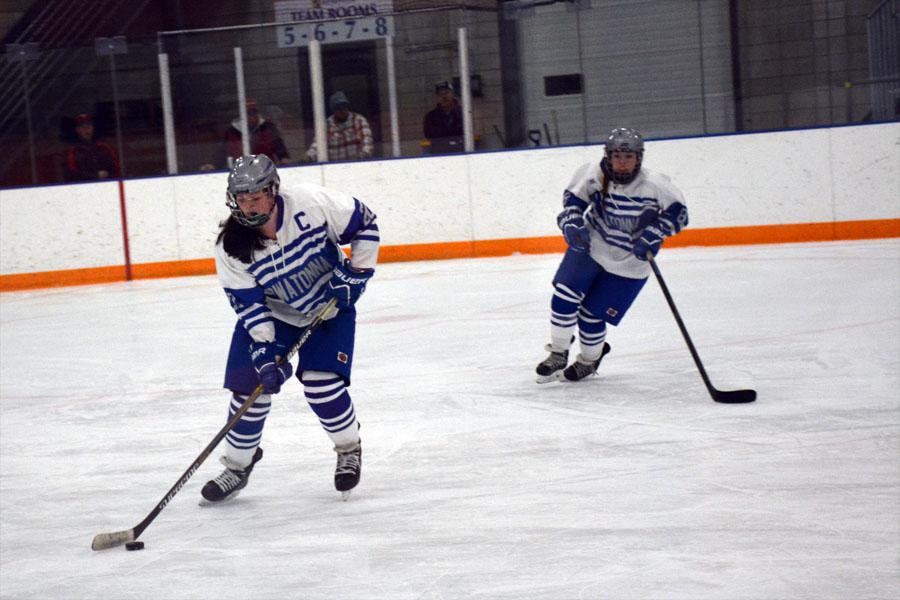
[794,186]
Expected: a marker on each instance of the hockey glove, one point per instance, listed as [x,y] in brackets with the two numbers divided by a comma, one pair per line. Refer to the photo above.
[347,284]
[271,376]
[650,241]
[572,224]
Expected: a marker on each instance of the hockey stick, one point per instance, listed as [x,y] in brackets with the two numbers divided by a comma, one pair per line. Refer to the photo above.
[102,541]
[726,397]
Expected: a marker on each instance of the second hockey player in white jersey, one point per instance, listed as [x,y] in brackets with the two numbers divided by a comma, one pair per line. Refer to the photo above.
[279,261]
[614,214]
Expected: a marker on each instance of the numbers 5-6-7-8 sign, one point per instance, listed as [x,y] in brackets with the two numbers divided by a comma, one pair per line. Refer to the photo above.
[346,30]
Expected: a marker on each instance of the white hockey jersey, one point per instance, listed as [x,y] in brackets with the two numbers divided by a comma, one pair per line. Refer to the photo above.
[616,220]
[287,279]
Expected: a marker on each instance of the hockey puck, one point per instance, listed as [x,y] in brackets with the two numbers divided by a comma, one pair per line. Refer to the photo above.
[134,546]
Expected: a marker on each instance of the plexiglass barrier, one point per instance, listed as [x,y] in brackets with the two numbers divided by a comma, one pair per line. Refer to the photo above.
[391,83]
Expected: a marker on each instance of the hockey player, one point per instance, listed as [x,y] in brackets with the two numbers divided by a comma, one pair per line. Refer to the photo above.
[279,261]
[613,217]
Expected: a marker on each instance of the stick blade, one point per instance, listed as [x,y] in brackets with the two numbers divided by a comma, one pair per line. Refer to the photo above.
[102,541]
[734,396]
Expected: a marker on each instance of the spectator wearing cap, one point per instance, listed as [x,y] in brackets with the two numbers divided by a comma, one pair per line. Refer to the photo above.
[88,159]
[443,125]
[348,133]
[265,138]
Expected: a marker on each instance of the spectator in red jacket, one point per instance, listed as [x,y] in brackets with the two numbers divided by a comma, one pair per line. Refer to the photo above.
[264,137]
[89,159]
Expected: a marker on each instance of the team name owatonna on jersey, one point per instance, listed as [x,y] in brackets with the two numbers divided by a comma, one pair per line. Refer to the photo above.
[616,219]
[286,279]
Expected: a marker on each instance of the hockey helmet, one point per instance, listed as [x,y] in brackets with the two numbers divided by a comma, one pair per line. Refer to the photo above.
[624,139]
[251,174]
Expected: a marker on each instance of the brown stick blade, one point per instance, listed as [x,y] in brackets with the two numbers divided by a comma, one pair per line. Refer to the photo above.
[102,541]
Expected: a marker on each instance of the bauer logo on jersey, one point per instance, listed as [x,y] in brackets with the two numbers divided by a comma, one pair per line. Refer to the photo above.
[342,356]
[611,312]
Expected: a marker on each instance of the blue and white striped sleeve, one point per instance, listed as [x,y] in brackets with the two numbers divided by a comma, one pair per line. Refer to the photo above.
[246,296]
[349,221]
[576,194]
[673,215]
[363,236]
[352,222]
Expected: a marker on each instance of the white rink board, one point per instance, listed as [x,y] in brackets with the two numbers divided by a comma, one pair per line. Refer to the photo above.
[417,200]
[60,227]
[739,180]
[175,218]
[520,193]
[815,175]
[865,172]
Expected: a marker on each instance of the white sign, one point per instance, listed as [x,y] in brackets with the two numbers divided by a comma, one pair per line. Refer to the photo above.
[332,21]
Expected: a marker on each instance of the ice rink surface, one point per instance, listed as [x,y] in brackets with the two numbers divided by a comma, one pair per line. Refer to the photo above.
[477,482]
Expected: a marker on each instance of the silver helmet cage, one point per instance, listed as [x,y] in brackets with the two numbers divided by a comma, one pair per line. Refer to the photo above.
[624,139]
[251,174]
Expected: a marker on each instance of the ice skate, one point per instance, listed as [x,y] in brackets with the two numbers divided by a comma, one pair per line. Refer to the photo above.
[582,368]
[551,366]
[347,471]
[232,480]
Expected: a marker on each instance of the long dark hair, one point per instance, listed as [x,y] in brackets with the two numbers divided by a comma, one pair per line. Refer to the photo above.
[604,181]
[239,241]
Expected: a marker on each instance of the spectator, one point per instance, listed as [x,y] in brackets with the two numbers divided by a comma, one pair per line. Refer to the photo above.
[348,133]
[443,125]
[88,159]
[264,137]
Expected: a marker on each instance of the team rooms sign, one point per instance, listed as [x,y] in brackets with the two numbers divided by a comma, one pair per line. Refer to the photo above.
[332,21]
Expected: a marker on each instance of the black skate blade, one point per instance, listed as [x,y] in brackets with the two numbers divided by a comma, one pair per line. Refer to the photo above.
[734,396]
[548,378]
[345,495]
